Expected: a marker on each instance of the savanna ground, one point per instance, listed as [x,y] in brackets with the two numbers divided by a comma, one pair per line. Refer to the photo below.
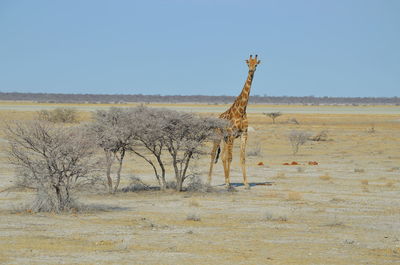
[345,210]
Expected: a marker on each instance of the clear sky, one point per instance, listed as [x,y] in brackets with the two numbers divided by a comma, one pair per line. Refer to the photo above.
[188,47]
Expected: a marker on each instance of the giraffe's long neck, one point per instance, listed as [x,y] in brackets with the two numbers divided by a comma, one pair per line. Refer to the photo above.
[241,101]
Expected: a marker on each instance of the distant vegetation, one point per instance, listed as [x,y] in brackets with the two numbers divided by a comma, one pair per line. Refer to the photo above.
[273,115]
[121,98]
[64,115]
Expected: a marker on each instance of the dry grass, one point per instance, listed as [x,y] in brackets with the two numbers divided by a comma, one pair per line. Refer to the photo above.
[194,203]
[280,175]
[294,196]
[389,184]
[325,177]
[54,245]
[272,194]
[364,182]
[335,223]
[153,227]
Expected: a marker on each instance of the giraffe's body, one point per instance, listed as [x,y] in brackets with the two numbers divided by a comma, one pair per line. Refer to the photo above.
[238,124]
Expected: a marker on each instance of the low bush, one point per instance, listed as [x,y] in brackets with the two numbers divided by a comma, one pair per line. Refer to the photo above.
[62,115]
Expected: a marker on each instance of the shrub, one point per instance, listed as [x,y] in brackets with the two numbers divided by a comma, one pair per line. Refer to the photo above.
[136,185]
[196,185]
[171,185]
[321,136]
[61,115]
[51,159]
[275,217]
[297,139]
[193,217]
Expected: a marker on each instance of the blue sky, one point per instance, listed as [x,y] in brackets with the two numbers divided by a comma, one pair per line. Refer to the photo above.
[188,47]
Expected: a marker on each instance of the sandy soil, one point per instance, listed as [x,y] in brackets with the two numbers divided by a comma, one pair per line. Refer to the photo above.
[345,210]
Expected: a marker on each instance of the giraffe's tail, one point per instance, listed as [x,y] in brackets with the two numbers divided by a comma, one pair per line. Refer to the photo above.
[217,156]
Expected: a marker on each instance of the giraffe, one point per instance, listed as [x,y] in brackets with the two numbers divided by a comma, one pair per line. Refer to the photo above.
[237,127]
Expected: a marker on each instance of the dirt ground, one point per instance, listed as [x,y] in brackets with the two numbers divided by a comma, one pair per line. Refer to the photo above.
[345,210]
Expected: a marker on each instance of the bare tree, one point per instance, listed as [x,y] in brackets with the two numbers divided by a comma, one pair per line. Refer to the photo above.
[50,159]
[112,132]
[184,135]
[181,135]
[297,139]
[147,125]
[273,115]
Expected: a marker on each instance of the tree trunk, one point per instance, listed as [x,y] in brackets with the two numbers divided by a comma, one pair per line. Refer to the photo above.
[177,172]
[109,162]
[163,184]
[182,173]
[120,160]
[160,179]
[59,198]
[179,184]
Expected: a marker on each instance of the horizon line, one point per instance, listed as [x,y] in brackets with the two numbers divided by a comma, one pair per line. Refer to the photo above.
[191,95]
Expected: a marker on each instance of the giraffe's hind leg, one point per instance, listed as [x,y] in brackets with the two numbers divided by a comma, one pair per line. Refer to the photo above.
[216,146]
[243,143]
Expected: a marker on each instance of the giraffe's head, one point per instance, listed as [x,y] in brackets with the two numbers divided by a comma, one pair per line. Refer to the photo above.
[252,63]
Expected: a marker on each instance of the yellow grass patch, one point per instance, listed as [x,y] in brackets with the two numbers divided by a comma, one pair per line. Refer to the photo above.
[294,196]
[364,182]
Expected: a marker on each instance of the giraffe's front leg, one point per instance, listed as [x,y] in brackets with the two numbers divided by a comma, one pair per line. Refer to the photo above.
[243,143]
[227,158]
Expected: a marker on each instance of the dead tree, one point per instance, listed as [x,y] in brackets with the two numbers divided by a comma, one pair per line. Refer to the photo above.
[52,160]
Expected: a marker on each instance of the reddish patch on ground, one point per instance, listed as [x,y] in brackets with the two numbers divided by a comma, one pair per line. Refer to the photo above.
[286,164]
[294,163]
[260,163]
[313,163]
